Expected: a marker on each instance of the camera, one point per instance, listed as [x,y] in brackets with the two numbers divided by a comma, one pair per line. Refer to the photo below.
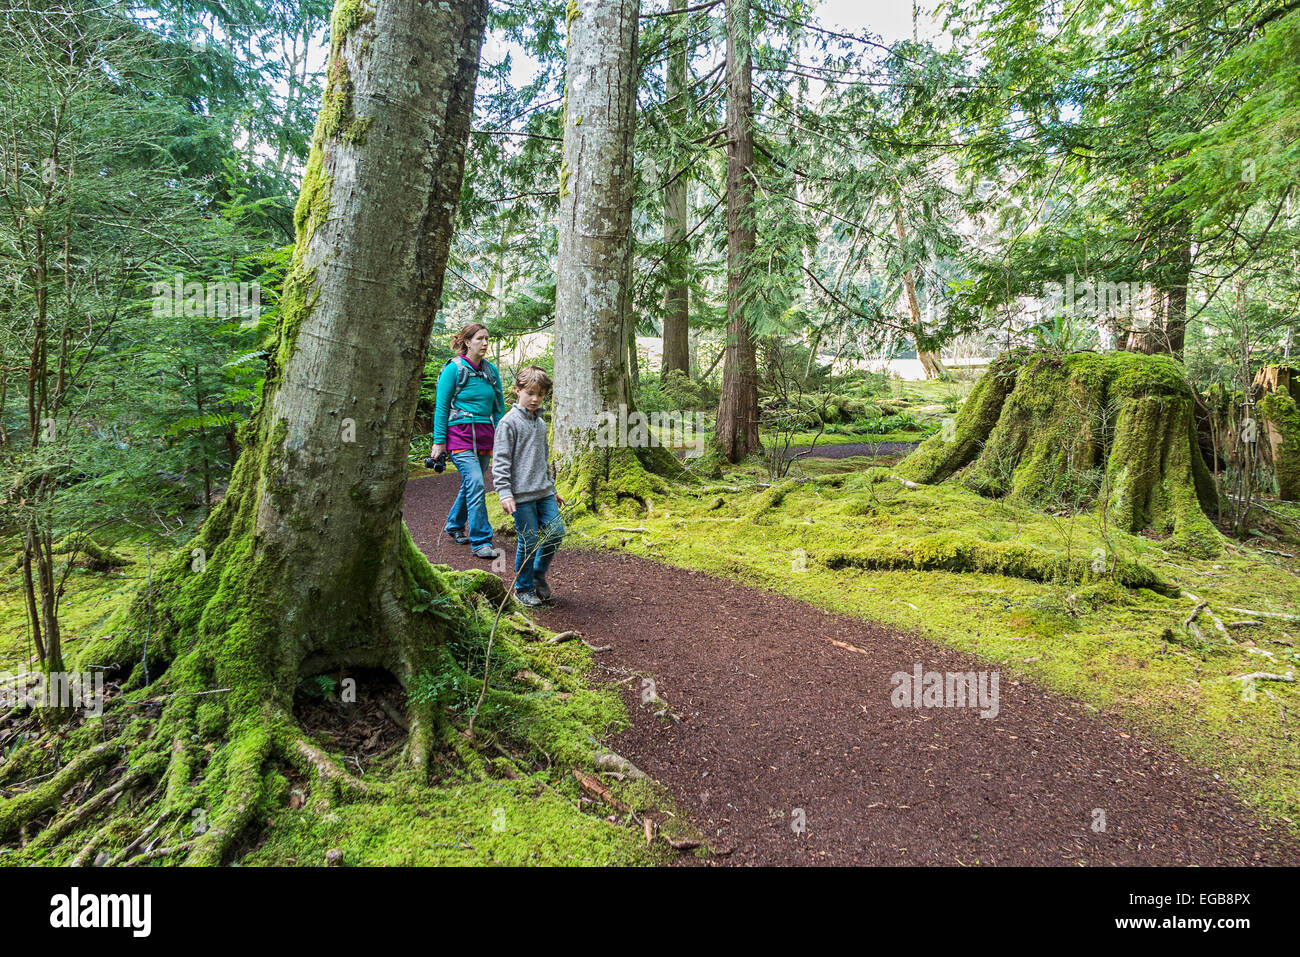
[438,463]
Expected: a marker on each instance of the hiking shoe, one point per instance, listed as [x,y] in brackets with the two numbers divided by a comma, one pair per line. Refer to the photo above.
[457,536]
[486,551]
[528,599]
[543,590]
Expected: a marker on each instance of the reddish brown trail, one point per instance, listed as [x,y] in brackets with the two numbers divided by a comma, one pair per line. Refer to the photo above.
[789,751]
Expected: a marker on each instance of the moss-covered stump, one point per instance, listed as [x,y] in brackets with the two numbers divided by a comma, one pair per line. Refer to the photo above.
[1114,431]
[1281,419]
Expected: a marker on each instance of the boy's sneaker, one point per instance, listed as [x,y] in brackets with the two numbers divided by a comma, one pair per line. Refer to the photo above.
[486,551]
[457,536]
[528,599]
[543,590]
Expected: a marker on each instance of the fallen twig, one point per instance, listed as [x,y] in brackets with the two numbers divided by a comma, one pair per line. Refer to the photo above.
[599,791]
[127,851]
[1265,614]
[160,852]
[1265,676]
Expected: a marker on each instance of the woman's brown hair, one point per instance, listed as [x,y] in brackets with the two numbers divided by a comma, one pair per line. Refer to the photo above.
[460,341]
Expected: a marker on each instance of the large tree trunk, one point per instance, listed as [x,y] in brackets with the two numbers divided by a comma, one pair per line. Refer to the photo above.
[306,564]
[593,334]
[677,352]
[736,433]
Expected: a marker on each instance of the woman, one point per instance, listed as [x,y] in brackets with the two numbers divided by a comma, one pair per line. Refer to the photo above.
[470,404]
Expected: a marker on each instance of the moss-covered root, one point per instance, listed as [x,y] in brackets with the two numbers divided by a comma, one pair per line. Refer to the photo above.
[604,477]
[954,552]
[224,671]
[953,448]
[18,811]
[239,765]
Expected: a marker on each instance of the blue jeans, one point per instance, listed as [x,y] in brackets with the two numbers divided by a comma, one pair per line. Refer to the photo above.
[471,500]
[539,529]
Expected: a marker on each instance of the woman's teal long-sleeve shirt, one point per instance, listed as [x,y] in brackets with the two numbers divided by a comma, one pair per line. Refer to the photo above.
[485,402]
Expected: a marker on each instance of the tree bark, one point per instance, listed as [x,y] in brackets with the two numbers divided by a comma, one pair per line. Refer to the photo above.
[677,354]
[736,432]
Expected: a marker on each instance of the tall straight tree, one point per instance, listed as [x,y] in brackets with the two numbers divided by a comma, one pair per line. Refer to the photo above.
[677,312]
[594,262]
[306,565]
[736,433]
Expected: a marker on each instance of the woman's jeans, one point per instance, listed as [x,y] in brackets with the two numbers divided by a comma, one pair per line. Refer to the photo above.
[539,529]
[471,500]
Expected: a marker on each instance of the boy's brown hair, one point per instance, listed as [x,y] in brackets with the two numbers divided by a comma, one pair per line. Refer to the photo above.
[532,377]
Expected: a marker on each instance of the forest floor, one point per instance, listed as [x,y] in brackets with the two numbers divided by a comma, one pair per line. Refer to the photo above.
[781,742]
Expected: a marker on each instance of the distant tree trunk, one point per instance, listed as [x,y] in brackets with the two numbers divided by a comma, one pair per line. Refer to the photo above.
[930,361]
[677,355]
[736,432]
[1167,331]
[1176,316]
[306,565]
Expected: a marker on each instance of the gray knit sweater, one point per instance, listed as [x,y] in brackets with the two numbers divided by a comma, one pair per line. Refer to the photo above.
[519,467]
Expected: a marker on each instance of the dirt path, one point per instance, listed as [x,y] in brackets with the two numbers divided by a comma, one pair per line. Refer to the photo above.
[847,449]
[778,719]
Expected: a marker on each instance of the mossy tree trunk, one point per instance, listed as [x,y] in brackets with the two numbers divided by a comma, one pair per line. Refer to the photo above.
[736,430]
[1279,414]
[1116,430]
[593,334]
[306,565]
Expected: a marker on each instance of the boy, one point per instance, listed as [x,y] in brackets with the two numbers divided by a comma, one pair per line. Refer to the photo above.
[522,479]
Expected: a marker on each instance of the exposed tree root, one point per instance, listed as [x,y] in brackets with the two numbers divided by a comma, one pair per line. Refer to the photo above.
[213,760]
[18,811]
[82,813]
[326,769]
[130,849]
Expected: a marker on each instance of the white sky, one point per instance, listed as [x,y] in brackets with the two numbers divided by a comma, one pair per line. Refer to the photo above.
[890,19]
